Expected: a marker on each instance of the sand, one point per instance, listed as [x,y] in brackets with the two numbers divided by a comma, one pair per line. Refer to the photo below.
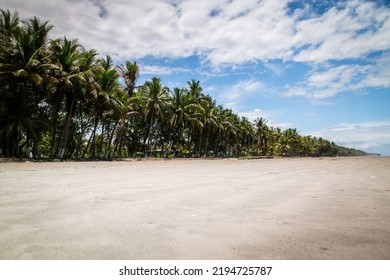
[312,208]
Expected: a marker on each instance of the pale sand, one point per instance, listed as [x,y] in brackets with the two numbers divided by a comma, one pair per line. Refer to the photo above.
[330,208]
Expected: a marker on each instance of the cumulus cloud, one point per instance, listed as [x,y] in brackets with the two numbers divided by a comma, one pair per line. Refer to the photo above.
[349,30]
[161,70]
[247,86]
[221,32]
[234,95]
[327,81]
[296,91]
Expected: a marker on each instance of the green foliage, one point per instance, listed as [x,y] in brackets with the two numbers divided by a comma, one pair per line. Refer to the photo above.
[58,100]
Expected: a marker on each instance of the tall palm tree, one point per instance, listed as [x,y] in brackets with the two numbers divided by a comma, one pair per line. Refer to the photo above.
[210,121]
[123,109]
[181,110]
[195,90]
[106,82]
[155,99]
[290,141]
[262,134]
[130,73]
[230,124]
[75,80]
[247,134]
[23,75]
[9,27]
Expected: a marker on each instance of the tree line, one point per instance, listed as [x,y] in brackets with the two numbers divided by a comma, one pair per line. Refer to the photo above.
[60,100]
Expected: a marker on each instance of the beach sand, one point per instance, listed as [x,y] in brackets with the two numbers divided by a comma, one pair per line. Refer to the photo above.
[301,208]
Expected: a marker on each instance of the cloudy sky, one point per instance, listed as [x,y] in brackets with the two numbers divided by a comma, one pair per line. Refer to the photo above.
[322,67]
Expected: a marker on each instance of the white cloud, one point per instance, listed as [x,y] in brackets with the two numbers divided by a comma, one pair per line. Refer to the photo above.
[221,32]
[296,91]
[353,77]
[325,82]
[161,70]
[249,86]
[232,96]
[348,32]
[254,114]
[378,74]
[276,69]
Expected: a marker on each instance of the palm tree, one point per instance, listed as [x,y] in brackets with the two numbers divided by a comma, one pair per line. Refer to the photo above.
[75,80]
[106,79]
[155,100]
[261,134]
[230,124]
[290,142]
[181,113]
[210,121]
[247,134]
[130,73]
[9,27]
[24,76]
[124,108]
[195,91]
[273,145]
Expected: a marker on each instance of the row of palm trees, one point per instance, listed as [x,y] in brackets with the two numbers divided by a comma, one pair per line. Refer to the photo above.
[59,100]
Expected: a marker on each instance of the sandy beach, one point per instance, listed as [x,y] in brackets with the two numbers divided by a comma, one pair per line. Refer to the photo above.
[303,208]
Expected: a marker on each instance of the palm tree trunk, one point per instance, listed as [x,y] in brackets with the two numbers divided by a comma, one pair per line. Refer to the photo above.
[108,149]
[64,139]
[53,139]
[100,152]
[17,144]
[121,145]
[35,149]
[188,140]
[200,143]
[55,118]
[119,142]
[206,142]
[149,134]
[92,140]
[216,144]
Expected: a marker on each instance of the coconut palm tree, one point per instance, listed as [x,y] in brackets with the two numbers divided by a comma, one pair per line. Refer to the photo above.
[75,78]
[195,90]
[24,79]
[209,118]
[123,109]
[247,134]
[155,99]
[261,135]
[106,85]
[130,73]
[231,130]
[9,22]
[290,142]
[182,114]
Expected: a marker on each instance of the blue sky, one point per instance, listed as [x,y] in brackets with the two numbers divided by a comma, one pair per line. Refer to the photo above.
[319,66]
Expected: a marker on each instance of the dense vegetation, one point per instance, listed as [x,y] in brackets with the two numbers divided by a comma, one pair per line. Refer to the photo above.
[59,100]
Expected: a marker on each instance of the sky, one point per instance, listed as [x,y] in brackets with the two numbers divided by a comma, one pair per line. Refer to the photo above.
[322,67]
